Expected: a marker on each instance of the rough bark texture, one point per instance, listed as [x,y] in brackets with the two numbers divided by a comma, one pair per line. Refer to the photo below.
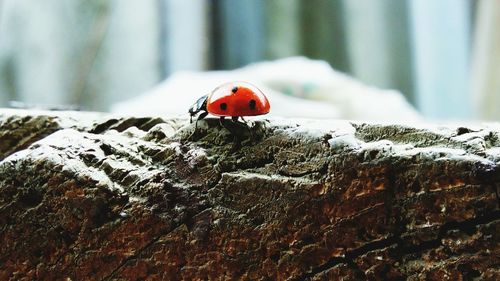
[88,196]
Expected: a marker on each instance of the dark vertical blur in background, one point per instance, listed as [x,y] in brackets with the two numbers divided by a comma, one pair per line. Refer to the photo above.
[95,53]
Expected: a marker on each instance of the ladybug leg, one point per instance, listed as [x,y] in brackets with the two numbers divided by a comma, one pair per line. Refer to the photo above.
[201,116]
[221,122]
[236,139]
[249,129]
[244,124]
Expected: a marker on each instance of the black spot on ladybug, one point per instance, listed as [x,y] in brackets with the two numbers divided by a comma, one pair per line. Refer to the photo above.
[252,104]
[223,106]
[234,90]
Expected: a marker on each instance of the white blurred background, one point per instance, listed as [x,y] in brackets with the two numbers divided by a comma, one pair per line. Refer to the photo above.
[443,56]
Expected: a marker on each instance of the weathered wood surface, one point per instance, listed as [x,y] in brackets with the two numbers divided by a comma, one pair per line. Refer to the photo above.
[88,196]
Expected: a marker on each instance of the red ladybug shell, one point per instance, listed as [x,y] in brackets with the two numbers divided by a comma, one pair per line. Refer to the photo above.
[237,99]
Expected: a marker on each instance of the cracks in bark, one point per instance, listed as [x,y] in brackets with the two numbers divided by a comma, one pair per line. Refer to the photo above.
[349,257]
[322,169]
[121,125]
[139,252]
[466,226]
[230,162]
[28,140]
[102,127]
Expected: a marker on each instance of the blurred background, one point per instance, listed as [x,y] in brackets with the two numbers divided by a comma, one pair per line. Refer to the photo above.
[442,55]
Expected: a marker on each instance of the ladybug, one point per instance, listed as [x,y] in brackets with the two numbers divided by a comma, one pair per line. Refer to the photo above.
[233,99]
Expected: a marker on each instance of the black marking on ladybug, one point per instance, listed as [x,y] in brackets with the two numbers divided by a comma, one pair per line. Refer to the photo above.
[252,104]
[234,90]
[223,106]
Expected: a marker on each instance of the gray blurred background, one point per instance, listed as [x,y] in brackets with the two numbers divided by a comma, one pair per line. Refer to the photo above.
[443,55]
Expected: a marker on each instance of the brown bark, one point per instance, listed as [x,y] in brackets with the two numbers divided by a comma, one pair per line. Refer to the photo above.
[87,196]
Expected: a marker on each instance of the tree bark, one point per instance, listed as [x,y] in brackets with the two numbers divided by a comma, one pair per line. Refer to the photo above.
[101,197]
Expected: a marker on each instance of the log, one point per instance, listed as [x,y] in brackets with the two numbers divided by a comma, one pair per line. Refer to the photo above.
[102,197]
